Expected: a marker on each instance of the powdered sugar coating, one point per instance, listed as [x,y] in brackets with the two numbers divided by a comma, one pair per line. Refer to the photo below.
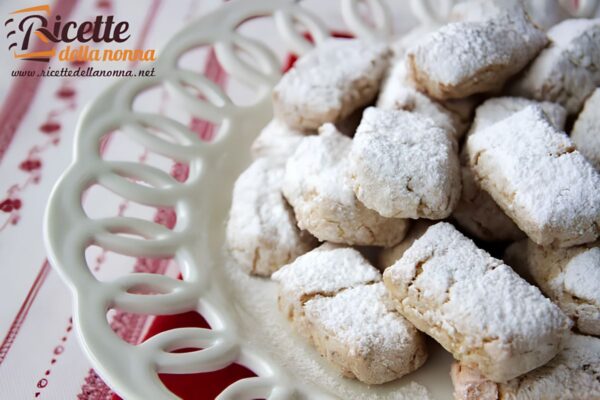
[398,92]
[586,131]
[568,71]
[403,165]
[574,374]
[477,212]
[325,271]
[360,330]
[330,82]
[571,278]
[464,58]
[543,13]
[261,231]
[533,172]
[474,305]
[276,141]
[498,108]
[317,186]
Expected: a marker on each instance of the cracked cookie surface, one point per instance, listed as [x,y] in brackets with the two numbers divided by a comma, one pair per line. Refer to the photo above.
[330,82]
[568,70]
[474,305]
[261,231]
[336,299]
[317,185]
[403,165]
[478,56]
[574,374]
[533,172]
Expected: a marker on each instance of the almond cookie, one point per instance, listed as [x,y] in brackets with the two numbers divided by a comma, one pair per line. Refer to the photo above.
[464,58]
[403,165]
[568,71]
[317,186]
[330,82]
[261,231]
[571,278]
[399,93]
[335,298]
[542,13]
[533,172]
[475,306]
[360,331]
[323,271]
[276,141]
[586,131]
[574,374]
[477,212]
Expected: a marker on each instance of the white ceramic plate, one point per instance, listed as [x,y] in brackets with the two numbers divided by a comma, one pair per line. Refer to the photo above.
[246,326]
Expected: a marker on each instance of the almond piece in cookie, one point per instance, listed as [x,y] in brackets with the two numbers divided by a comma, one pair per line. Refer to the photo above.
[586,131]
[475,306]
[359,330]
[568,71]
[571,278]
[323,271]
[403,165]
[574,374]
[464,58]
[261,231]
[317,186]
[330,82]
[533,172]
[276,141]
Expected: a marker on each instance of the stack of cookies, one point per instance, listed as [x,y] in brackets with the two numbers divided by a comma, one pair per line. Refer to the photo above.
[391,173]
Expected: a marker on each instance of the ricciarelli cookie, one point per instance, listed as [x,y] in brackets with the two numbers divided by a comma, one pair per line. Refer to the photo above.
[574,374]
[568,71]
[586,131]
[324,271]
[571,278]
[533,172]
[335,298]
[544,14]
[261,231]
[360,331]
[475,306]
[464,58]
[276,141]
[317,186]
[403,165]
[476,211]
[330,82]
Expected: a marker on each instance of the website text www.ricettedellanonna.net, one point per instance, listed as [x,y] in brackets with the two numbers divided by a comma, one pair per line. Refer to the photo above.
[83,72]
